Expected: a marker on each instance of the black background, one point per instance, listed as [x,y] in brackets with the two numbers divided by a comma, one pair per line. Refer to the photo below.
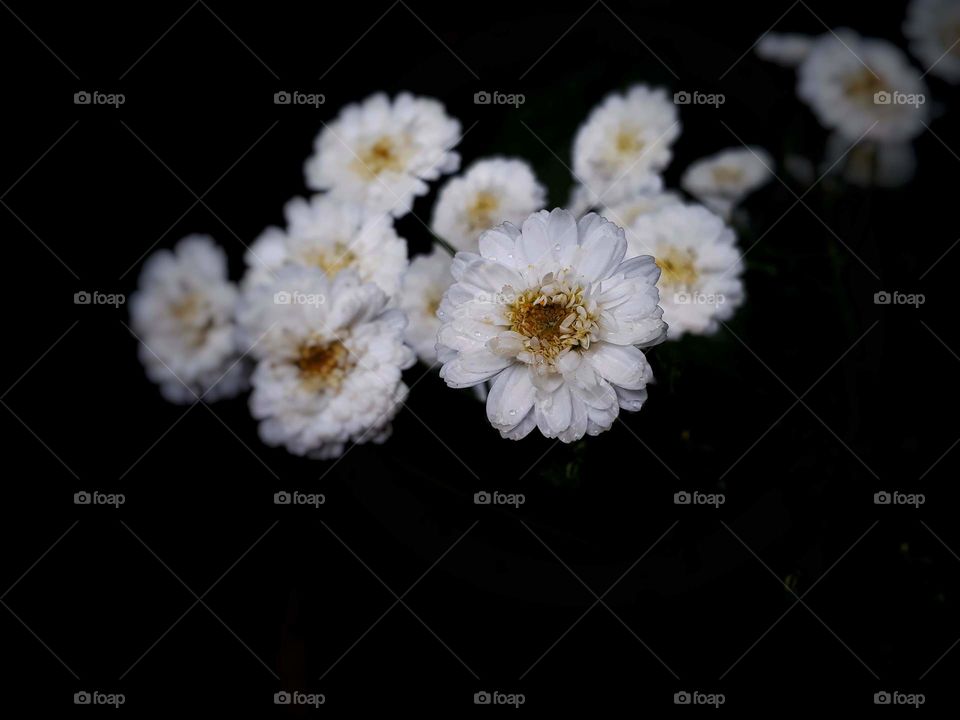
[295,588]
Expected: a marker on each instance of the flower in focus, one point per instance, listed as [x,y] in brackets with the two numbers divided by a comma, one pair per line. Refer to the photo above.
[423,287]
[552,315]
[722,180]
[786,49]
[625,143]
[933,29]
[332,236]
[183,314]
[329,361]
[380,153]
[859,86]
[490,192]
[700,266]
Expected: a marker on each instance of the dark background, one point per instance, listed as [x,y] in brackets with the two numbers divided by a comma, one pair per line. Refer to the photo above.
[294,588]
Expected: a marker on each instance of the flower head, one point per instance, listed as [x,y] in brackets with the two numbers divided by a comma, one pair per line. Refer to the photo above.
[722,180]
[423,287]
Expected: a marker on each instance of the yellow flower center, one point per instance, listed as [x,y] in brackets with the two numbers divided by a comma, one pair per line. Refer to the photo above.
[188,312]
[331,261]
[553,319]
[480,213]
[381,156]
[726,175]
[628,143]
[323,366]
[863,85]
[677,267]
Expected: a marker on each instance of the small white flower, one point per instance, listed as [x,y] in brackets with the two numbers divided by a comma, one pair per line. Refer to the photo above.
[625,143]
[699,262]
[379,154]
[329,365]
[624,213]
[870,164]
[853,84]
[786,49]
[722,180]
[423,287]
[933,30]
[183,312]
[490,192]
[333,236]
[554,318]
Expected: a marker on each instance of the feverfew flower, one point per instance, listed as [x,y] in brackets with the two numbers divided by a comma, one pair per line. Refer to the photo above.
[853,84]
[722,180]
[329,361]
[625,143]
[700,266]
[183,313]
[423,287]
[786,49]
[333,236]
[490,192]
[933,29]
[380,153]
[552,315]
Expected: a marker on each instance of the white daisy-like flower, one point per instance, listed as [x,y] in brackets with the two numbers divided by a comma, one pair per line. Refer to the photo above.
[381,153]
[333,236]
[786,49]
[624,213]
[625,143]
[329,361]
[423,287]
[861,86]
[552,315]
[490,192]
[870,164]
[933,29]
[700,266]
[183,313]
[722,180]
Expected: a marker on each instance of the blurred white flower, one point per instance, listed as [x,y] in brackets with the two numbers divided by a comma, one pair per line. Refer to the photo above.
[933,29]
[860,86]
[787,49]
[183,313]
[333,236]
[423,287]
[329,361]
[380,153]
[490,192]
[722,180]
[554,317]
[624,144]
[870,164]
[700,266]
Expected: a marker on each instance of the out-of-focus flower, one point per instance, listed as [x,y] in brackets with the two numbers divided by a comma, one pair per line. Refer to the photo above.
[933,29]
[787,49]
[490,192]
[329,361]
[183,313]
[624,144]
[554,317]
[423,287]
[722,180]
[870,164]
[863,87]
[700,266]
[381,153]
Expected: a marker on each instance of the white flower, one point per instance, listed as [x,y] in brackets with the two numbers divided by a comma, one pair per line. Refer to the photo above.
[490,192]
[554,317]
[853,84]
[329,365]
[787,49]
[722,180]
[379,154]
[870,164]
[423,287]
[183,313]
[624,144]
[699,262]
[333,236]
[933,29]
[624,213]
